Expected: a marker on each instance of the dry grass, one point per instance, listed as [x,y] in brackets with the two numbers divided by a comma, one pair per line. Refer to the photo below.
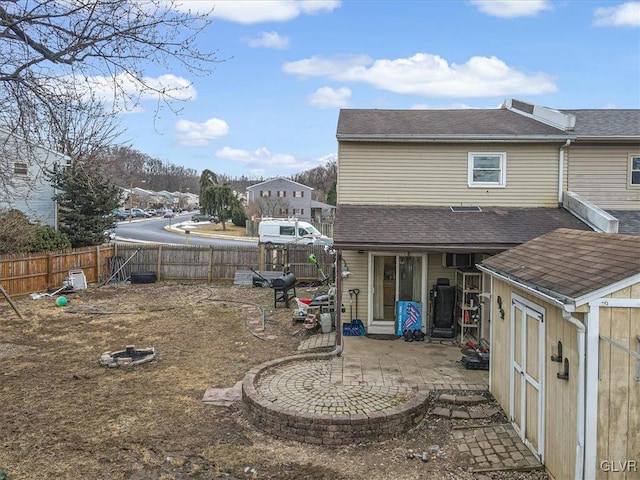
[65,416]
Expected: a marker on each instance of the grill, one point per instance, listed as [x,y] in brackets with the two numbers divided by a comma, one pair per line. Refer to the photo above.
[284,289]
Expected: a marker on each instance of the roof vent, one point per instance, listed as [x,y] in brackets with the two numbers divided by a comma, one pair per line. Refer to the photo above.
[470,208]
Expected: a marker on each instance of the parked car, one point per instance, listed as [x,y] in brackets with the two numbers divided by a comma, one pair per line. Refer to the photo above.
[169,214]
[152,211]
[162,210]
[123,214]
[203,217]
[139,213]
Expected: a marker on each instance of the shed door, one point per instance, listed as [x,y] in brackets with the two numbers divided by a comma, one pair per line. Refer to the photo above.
[527,367]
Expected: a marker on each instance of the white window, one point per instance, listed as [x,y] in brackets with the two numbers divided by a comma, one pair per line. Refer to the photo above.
[265,193]
[281,194]
[20,169]
[487,169]
[298,193]
[634,171]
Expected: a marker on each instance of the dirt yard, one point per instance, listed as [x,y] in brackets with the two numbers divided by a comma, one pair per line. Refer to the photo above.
[65,416]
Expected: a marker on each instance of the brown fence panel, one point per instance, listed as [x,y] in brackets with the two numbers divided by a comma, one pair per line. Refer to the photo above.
[21,274]
[29,273]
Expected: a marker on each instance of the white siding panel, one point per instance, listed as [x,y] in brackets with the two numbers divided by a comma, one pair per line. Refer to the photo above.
[436,175]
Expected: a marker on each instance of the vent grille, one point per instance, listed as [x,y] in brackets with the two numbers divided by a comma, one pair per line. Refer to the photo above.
[469,208]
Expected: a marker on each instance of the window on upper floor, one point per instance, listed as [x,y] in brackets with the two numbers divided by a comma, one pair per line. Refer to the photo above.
[634,171]
[20,169]
[298,193]
[265,193]
[487,169]
[281,194]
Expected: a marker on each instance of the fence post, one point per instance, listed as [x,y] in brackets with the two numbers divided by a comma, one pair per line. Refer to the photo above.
[210,268]
[159,263]
[49,270]
[261,254]
[98,263]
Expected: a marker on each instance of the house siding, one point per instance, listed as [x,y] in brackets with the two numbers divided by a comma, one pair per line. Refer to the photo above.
[618,436]
[600,174]
[31,194]
[289,201]
[559,395]
[436,175]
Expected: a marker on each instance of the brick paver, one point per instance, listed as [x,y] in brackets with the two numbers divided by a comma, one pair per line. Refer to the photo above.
[368,385]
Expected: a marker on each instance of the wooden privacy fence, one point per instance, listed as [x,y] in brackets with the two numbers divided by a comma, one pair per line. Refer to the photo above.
[21,274]
[29,273]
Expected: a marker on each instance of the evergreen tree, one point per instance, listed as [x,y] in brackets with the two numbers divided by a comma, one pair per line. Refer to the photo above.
[85,199]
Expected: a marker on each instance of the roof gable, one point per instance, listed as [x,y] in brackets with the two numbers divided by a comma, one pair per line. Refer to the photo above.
[571,263]
[278,179]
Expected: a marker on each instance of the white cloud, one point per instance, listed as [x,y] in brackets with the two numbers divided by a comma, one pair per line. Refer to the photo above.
[124,92]
[625,15]
[198,134]
[512,8]
[268,40]
[261,160]
[327,97]
[248,12]
[428,75]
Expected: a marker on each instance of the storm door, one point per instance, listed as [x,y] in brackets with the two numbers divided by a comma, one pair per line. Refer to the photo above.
[393,278]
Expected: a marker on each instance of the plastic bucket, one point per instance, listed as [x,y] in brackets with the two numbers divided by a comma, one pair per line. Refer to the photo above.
[325,323]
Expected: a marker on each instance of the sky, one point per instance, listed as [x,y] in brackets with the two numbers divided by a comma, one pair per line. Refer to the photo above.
[271,107]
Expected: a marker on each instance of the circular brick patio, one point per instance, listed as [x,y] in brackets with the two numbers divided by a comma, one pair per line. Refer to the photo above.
[296,398]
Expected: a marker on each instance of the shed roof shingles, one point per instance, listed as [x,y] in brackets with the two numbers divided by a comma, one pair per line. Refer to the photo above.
[571,263]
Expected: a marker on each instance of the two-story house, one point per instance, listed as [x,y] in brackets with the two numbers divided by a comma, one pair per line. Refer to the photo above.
[425,197]
[281,197]
[25,186]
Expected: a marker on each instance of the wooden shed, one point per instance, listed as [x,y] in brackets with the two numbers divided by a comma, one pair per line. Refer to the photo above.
[565,350]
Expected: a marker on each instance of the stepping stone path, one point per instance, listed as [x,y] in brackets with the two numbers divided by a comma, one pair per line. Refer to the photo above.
[458,402]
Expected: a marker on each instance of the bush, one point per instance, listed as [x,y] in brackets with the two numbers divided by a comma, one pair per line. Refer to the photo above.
[238,216]
[19,235]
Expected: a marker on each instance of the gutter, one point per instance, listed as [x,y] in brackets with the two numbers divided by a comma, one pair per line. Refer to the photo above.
[580,414]
[449,138]
[567,306]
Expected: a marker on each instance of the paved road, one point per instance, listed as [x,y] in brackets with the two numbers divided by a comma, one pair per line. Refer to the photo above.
[153,230]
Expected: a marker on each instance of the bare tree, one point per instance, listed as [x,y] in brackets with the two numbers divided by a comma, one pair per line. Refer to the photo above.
[51,49]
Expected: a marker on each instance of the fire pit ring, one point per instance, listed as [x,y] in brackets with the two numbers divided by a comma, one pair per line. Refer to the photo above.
[128,357]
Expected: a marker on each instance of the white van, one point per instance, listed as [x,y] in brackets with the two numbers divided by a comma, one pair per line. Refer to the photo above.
[290,230]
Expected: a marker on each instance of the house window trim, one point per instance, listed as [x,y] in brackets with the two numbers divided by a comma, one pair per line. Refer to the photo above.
[300,192]
[631,171]
[21,169]
[503,170]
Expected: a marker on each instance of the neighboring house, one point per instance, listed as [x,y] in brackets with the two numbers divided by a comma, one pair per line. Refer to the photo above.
[281,197]
[422,193]
[565,350]
[24,184]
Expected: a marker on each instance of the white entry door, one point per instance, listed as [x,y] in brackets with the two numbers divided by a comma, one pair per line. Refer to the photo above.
[527,373]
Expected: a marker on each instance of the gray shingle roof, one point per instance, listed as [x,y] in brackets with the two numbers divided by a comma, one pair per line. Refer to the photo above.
[628,221]
[408,228]
[499,123]
[571,263]
[606,122]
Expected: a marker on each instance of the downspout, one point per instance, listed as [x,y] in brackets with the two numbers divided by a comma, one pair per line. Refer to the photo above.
[338,276]
[580,416]
[561,170]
